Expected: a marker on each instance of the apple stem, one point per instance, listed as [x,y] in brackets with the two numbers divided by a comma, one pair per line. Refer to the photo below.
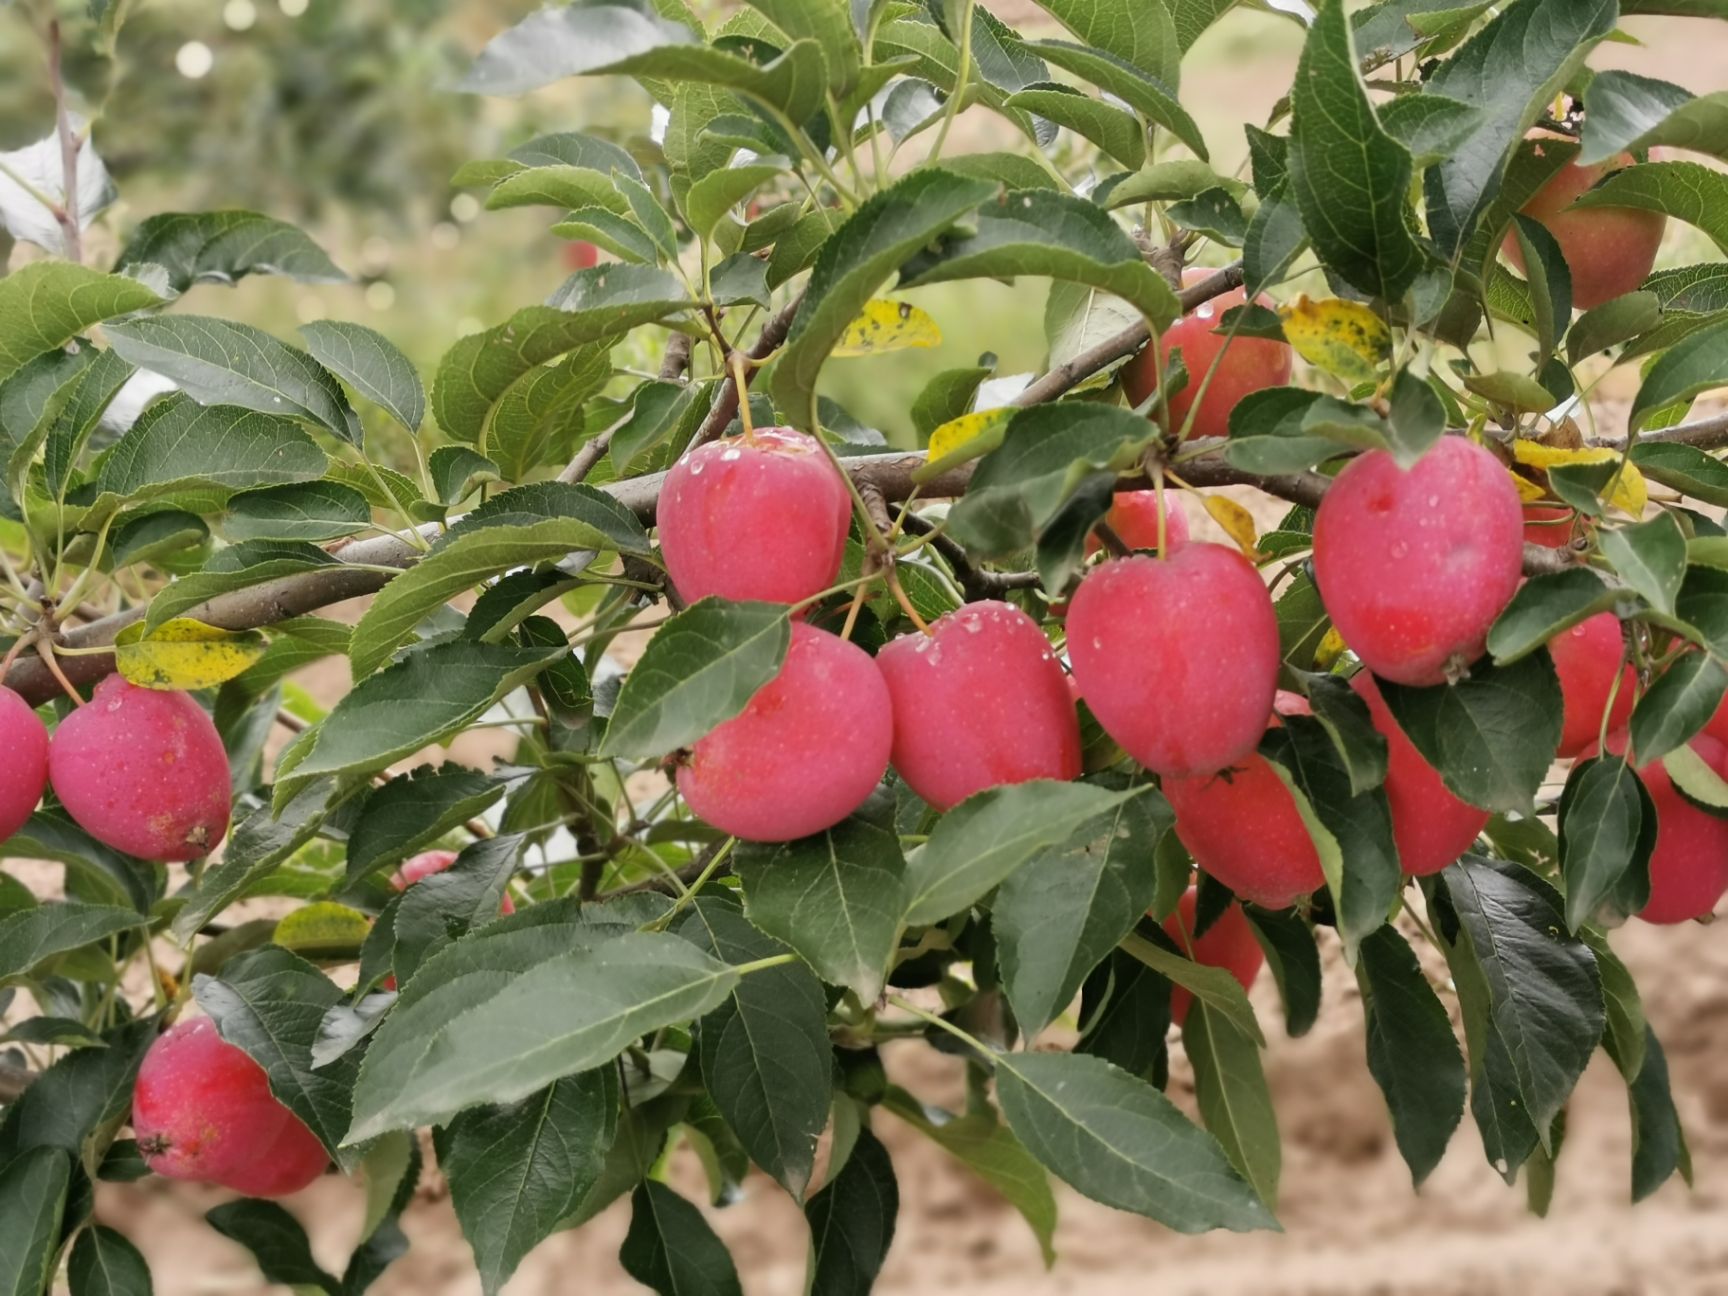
[1158,500]
[857,606]
[19,645]
[905,603]
[1113,542]
[45,650]
[736,362]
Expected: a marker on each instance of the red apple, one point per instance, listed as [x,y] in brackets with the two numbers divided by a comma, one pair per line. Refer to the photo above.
[1177,657]
[1248,364]
[1689,867]
[978,702]
[1228,943]
[1414,566]
[1589,657]
[1609,250]
[23,761]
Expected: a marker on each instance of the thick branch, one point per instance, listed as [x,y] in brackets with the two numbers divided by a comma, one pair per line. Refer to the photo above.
[1705,433]
[1126,343]
[726,401]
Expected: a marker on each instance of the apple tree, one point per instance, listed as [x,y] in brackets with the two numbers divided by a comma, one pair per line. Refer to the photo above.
[823,740]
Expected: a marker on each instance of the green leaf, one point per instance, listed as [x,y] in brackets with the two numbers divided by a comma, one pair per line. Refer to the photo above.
[1412,1052]
[441,908]
[71,430]
[985,838]
[1627,1032]
[1119,1141]
[219,362]
[1543,607]
[1695,364]
[516,1172]
[593,306]
[277,1243]
[224,247]
[540,523]
[671,1250]
[48,303]
[1056,917]
[415,702]
[1491,736]
[1149,94]
[1213,986]
[1650,557]
[535,411]
[1678,703]
[1235,1103]
[1294,957]
[480,1038]
[413,811]
[1687,191]
[988,1148]
[1615,321]
[1143,35]
[1627,112]
[1431,126]
[454,470]
[80,1100]
[372,365]
[1125,1008]
[766,1059]
[619,235]
[1034,232]
[829,24]
[1607,832]
[856,261]
[309,511]
[1160,182]
[1352,831]
[558,186]
[269,1003]
[1685,468]
[1549,280]
[837,898]
[1658,1142]
[852,1222]
[1509,70]
[31,402]
[699,670]
[183,448]
[1350,179]
[104,1263]
[42,931]
[33,1193]
[1544,991]
[1117,133]
[718,192]
[239,566]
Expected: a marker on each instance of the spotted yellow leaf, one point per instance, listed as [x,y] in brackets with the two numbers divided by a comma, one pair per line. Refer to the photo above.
[888,326]
[970,436]
[1238,523]
[185,654]
[1331,648]
[324,931]
[1344,338]
[1630,493]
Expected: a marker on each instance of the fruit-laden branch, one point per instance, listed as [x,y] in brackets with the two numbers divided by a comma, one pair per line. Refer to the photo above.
[726,401]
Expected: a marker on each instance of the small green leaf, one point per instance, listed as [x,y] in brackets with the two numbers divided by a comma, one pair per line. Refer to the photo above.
[1543,607]
[104,1263]
[277,1243]
[372,365]
[33,1192]
[852,1222]
[1650,557]
[671,1250]
[309,511]
[1678,703]
[1696,364]
[1607,832]
[46,304]
[42,931]
[1235,1103]
[224,247]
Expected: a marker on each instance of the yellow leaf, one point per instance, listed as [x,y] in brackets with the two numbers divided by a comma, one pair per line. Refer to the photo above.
[967,437]
[185,654]
[1528,491]
[1330,650]
[888,326]
[1344,338]
[1630,493]
[1237,522]
[324,931]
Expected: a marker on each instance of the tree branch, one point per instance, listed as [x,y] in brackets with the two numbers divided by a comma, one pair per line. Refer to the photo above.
[1073,372]
[1705,433]
[726,401]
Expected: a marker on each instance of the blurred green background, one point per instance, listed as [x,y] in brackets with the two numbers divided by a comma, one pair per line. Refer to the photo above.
[335,114]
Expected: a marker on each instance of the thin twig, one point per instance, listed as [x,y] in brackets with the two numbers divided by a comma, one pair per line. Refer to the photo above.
[726,400]
[67,212]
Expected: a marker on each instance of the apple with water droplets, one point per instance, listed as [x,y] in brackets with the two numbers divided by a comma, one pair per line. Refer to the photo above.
[1590,659]
[1177,657]
[762,515]
[23,761]
[1414,565]
[978,702]
[807,750]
